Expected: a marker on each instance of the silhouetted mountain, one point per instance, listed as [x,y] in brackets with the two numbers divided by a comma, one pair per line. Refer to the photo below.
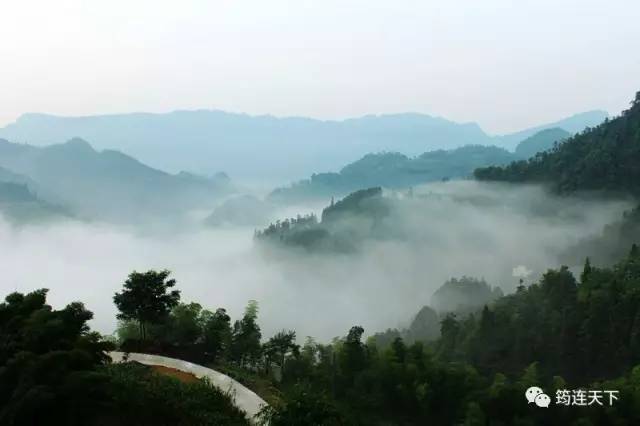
[574,124]
[425,327]
[395,170]
[342,227]
[264,146]
[606,247]
[106,185]
[541,141]
[19,205]
[463,295]
[242,210]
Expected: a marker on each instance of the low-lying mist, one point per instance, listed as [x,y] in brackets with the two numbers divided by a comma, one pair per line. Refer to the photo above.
[496,232]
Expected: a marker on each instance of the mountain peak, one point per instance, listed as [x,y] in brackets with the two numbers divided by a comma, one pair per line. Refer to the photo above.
[77,143]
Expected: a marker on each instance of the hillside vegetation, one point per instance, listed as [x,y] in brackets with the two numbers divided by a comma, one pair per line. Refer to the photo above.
[603,158]
[394,170]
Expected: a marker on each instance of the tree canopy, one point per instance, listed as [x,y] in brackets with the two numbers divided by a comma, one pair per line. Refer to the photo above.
[146,297]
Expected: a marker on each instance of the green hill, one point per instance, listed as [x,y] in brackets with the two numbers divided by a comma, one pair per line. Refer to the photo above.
[541,141]
[604,158]
[395,170]
[342,226]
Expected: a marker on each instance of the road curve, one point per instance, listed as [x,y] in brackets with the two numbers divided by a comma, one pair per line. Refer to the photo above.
[243,397]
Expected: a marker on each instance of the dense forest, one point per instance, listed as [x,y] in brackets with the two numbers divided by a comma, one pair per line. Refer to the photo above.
[54,370]
[338,230]
[395,170]
[603,158]
[473,368]
[541,141]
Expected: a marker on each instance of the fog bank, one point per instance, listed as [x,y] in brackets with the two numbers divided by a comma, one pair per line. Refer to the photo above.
[496,232]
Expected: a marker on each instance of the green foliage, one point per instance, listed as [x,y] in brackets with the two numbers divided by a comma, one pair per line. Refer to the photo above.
[463,295]
[245,344]
[54,371]
[609,245]
[603,158]
[302,231]
[185,325]
[146,298]
[48,361]
[583,331]
[303,407]
[142,397]
[395,170]
[187,332]
[279,347]
[216,333]
[336,231]
[541,141]
[557,333]
[425,327]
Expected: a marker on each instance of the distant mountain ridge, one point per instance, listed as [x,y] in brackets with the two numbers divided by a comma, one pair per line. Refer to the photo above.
[106,185]
[573,124]
[394,170]
[604,158]
[20,205]
[259,147]
[541,141]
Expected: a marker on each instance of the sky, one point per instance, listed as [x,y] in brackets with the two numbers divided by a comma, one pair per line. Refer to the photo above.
[504,64]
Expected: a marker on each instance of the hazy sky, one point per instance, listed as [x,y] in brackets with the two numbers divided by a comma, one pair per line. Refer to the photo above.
[503,63]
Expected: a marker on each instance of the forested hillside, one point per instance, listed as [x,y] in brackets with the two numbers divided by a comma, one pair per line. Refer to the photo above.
[394,170]
[541,141]
[560,333]
[54,371]
[603,158]
[343,225]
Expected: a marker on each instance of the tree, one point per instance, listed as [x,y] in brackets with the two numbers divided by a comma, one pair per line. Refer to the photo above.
[146,298]
[246,346]
[353,353]
[280,345]
[474,415]
[48,363]
[586,270]
[302,406]
[399,350]
[216,333]
[184,325]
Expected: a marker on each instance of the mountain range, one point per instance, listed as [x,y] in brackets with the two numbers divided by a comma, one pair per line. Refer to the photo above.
[266,147]
[395,170]
[603,158]
[105,185]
